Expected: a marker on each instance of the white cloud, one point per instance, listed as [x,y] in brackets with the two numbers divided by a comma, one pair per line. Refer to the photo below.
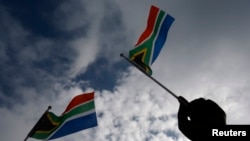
[135,109]
[87,50]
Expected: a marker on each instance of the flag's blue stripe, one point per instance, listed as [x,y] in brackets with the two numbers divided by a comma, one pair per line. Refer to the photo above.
[162,36]
[76,125]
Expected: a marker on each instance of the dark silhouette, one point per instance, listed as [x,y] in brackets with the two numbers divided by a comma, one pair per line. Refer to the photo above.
[198,117]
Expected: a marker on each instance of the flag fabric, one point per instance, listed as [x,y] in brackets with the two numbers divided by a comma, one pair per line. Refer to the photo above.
[79,115]
[152,39]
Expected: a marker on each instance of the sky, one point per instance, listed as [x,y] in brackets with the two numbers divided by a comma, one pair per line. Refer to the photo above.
[51,51]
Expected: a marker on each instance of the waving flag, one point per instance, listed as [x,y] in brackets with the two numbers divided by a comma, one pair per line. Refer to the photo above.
[152,39]
[79,115]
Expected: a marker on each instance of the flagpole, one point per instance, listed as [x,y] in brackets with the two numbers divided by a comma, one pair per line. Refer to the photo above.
[152,78]
[32,130]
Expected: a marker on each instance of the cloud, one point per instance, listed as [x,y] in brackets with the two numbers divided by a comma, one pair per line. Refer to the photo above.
[96,32]
[148,115]
[87,50]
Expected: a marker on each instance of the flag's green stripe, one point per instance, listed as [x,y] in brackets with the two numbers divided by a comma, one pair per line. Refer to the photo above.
[152,38]
[81,109]
[41,135]
[54,117]
[149,42]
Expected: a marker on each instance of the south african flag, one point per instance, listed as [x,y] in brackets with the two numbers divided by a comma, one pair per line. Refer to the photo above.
[152,39]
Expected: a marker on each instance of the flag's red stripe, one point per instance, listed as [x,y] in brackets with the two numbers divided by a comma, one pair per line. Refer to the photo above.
[78,100]
[150,25]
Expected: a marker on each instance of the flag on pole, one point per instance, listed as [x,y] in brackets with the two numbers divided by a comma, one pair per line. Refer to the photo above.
[152,39]
[79,115]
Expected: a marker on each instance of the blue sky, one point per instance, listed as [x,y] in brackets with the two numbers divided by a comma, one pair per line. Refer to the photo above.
[52,50]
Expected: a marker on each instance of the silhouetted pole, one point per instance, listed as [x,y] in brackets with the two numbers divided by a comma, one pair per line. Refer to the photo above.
[33,129]
[152,78]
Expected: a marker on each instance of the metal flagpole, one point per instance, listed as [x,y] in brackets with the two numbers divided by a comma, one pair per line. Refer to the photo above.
[32,130]
[152,78]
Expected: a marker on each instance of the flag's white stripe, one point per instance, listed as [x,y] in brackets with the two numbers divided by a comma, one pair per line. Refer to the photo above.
[71,118]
